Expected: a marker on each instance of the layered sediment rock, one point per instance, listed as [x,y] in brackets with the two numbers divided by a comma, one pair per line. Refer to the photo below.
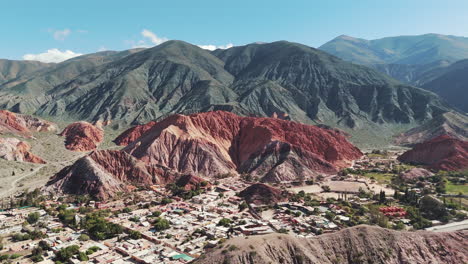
[82,136]
[441,153]
[23,125]
[214,143]
[102,174]
[17,150]
[131,134]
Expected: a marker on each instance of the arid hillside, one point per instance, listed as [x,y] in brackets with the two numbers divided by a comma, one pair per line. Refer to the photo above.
[360,244]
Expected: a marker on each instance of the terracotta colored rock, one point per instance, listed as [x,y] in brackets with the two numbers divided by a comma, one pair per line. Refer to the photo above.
[82,136]
[440,153]
[133,133]
[23,125]
[17,150]
[213,143]
[102,174]
[262,194]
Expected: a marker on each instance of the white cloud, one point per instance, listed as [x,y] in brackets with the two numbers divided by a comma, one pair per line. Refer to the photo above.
[52,55]
[153,37]
[137,44]
[61,34]
[214,47]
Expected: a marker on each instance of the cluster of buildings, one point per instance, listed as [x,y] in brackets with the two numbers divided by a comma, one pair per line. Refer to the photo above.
[393,211]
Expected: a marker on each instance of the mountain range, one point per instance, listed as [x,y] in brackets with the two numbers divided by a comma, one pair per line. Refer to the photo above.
[452,84]
[404,50]
[432,61]
[306,84]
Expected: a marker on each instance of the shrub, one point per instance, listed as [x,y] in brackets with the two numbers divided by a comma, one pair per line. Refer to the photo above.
[224,222]
[83,237]
[33,218]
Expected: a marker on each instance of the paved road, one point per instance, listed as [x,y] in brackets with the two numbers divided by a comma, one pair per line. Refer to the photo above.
[462,225]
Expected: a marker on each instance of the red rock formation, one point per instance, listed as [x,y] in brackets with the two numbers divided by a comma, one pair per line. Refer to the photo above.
[17,150]
[133,133]
[82,136]
[191,182]
[220,142]
[23,125]
[262,194]
[104,173]
[441,153]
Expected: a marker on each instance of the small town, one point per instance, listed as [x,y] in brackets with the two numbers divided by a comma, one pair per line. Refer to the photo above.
[176,224]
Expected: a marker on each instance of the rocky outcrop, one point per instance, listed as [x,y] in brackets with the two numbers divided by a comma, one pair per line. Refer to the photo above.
[213,143]
[133,133]
[263,194]
[360,244]
[23,125]
[102,174]
[414,174]
[451,123]
[441,153]
[191,182]
[17,150]
[82,136]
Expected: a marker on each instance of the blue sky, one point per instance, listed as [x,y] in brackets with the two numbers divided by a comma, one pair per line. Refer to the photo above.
[34,27]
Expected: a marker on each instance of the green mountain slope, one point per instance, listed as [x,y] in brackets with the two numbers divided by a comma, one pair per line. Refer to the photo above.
[11,69]
[420,49]
[27,92]
[452,85]
[307,84]
[414,60]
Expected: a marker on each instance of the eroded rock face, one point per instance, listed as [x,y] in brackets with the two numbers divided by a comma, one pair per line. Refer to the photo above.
[23,125]
[82,136]
[213,143]
[133,133]
[260,193]
[191,182]
[451,123]
[441,153]
[360,244]
[17,150]
[102,174]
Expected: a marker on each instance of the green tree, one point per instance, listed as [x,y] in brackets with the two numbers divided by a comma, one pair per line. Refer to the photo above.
[67,253]
[382,198]
[33,218]
[226,222]
[83,237]
[376,217]
[134,234]
[432,208]
[166,200]
[161,224]
[82,256]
